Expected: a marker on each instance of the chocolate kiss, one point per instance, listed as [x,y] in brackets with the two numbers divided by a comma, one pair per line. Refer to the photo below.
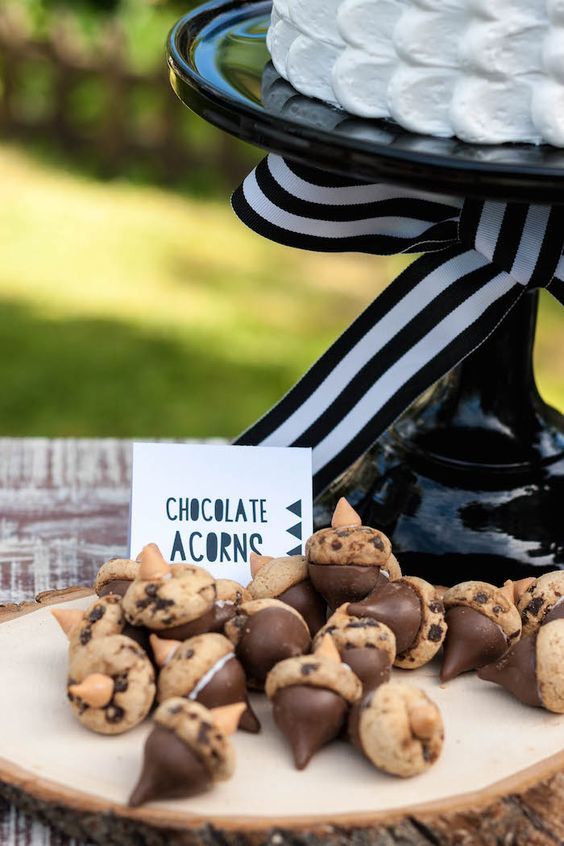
[340,583]
[118,586]
[309,717]
[227,686]
[472,641]
[398,606]
[170,770]
[516,671]
[371,665]
[212,621]
[270,636]
[305,599]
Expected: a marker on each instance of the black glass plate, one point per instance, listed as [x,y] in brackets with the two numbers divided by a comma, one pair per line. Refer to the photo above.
[220,68]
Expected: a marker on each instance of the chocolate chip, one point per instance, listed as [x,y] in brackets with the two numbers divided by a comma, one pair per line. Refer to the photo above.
[336,544]
[534,606]
[161,604]
[497,609]
[96,614]
[121,683]
[436,607]
[85,635]
[188,654]
[176,709]
[308,669]
[426,752]
[151,590]
[377,543]
[114,714]
[204,732]
[435,633]
[481,598]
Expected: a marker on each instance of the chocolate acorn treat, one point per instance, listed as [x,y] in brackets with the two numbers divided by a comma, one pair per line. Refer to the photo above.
[115,576]
[414,611]
[204,669]
[347,561]
[310,696]
[542,601]
[482,623]
[266,631]
[398,728]
[287,579]
[533,669]
[229,595]
[367,646]
[164,597]
[187,751]
[104,617]
[111,684]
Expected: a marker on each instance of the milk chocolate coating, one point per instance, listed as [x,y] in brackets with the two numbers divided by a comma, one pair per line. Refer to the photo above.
[472,641]
[516,671]
[118,586]
[170,770]
[371,665]
[353,725]
[309,717]
[555,613]
[141,636]
[227,686]
[345,583]
[270,636]
[212,621]
[398,606]
[305,599]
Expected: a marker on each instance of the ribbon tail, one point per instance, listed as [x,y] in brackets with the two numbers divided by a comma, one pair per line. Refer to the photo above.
[425,323]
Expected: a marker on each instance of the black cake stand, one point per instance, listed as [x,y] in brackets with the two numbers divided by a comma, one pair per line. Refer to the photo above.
[469,483]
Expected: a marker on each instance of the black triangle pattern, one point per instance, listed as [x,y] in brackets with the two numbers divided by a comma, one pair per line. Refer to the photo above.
[295,508]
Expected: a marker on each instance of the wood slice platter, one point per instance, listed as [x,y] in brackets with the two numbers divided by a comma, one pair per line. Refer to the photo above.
[500,779]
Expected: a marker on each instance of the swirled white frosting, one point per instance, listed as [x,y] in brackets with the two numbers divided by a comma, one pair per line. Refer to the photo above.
[486,71]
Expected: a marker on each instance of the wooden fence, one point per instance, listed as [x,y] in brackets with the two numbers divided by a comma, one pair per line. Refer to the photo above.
[94,106]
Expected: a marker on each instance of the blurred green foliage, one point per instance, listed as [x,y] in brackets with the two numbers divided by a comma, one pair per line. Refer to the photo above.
[69,113]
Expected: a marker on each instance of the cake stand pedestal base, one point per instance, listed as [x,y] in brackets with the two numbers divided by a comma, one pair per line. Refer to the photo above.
[469,483]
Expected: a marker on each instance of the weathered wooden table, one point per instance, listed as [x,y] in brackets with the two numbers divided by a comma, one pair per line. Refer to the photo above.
[63,509]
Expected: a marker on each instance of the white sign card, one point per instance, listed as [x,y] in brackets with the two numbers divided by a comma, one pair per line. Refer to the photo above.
[214,505]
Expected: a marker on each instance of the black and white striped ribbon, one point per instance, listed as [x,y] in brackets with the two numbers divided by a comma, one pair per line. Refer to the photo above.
[481,257]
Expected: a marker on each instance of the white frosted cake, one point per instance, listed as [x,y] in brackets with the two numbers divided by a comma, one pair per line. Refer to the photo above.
[486,71]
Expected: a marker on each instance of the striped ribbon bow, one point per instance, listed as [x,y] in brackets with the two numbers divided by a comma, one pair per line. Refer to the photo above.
[481,257]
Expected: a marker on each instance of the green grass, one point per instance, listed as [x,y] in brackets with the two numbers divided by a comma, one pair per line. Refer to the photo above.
[130,311]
